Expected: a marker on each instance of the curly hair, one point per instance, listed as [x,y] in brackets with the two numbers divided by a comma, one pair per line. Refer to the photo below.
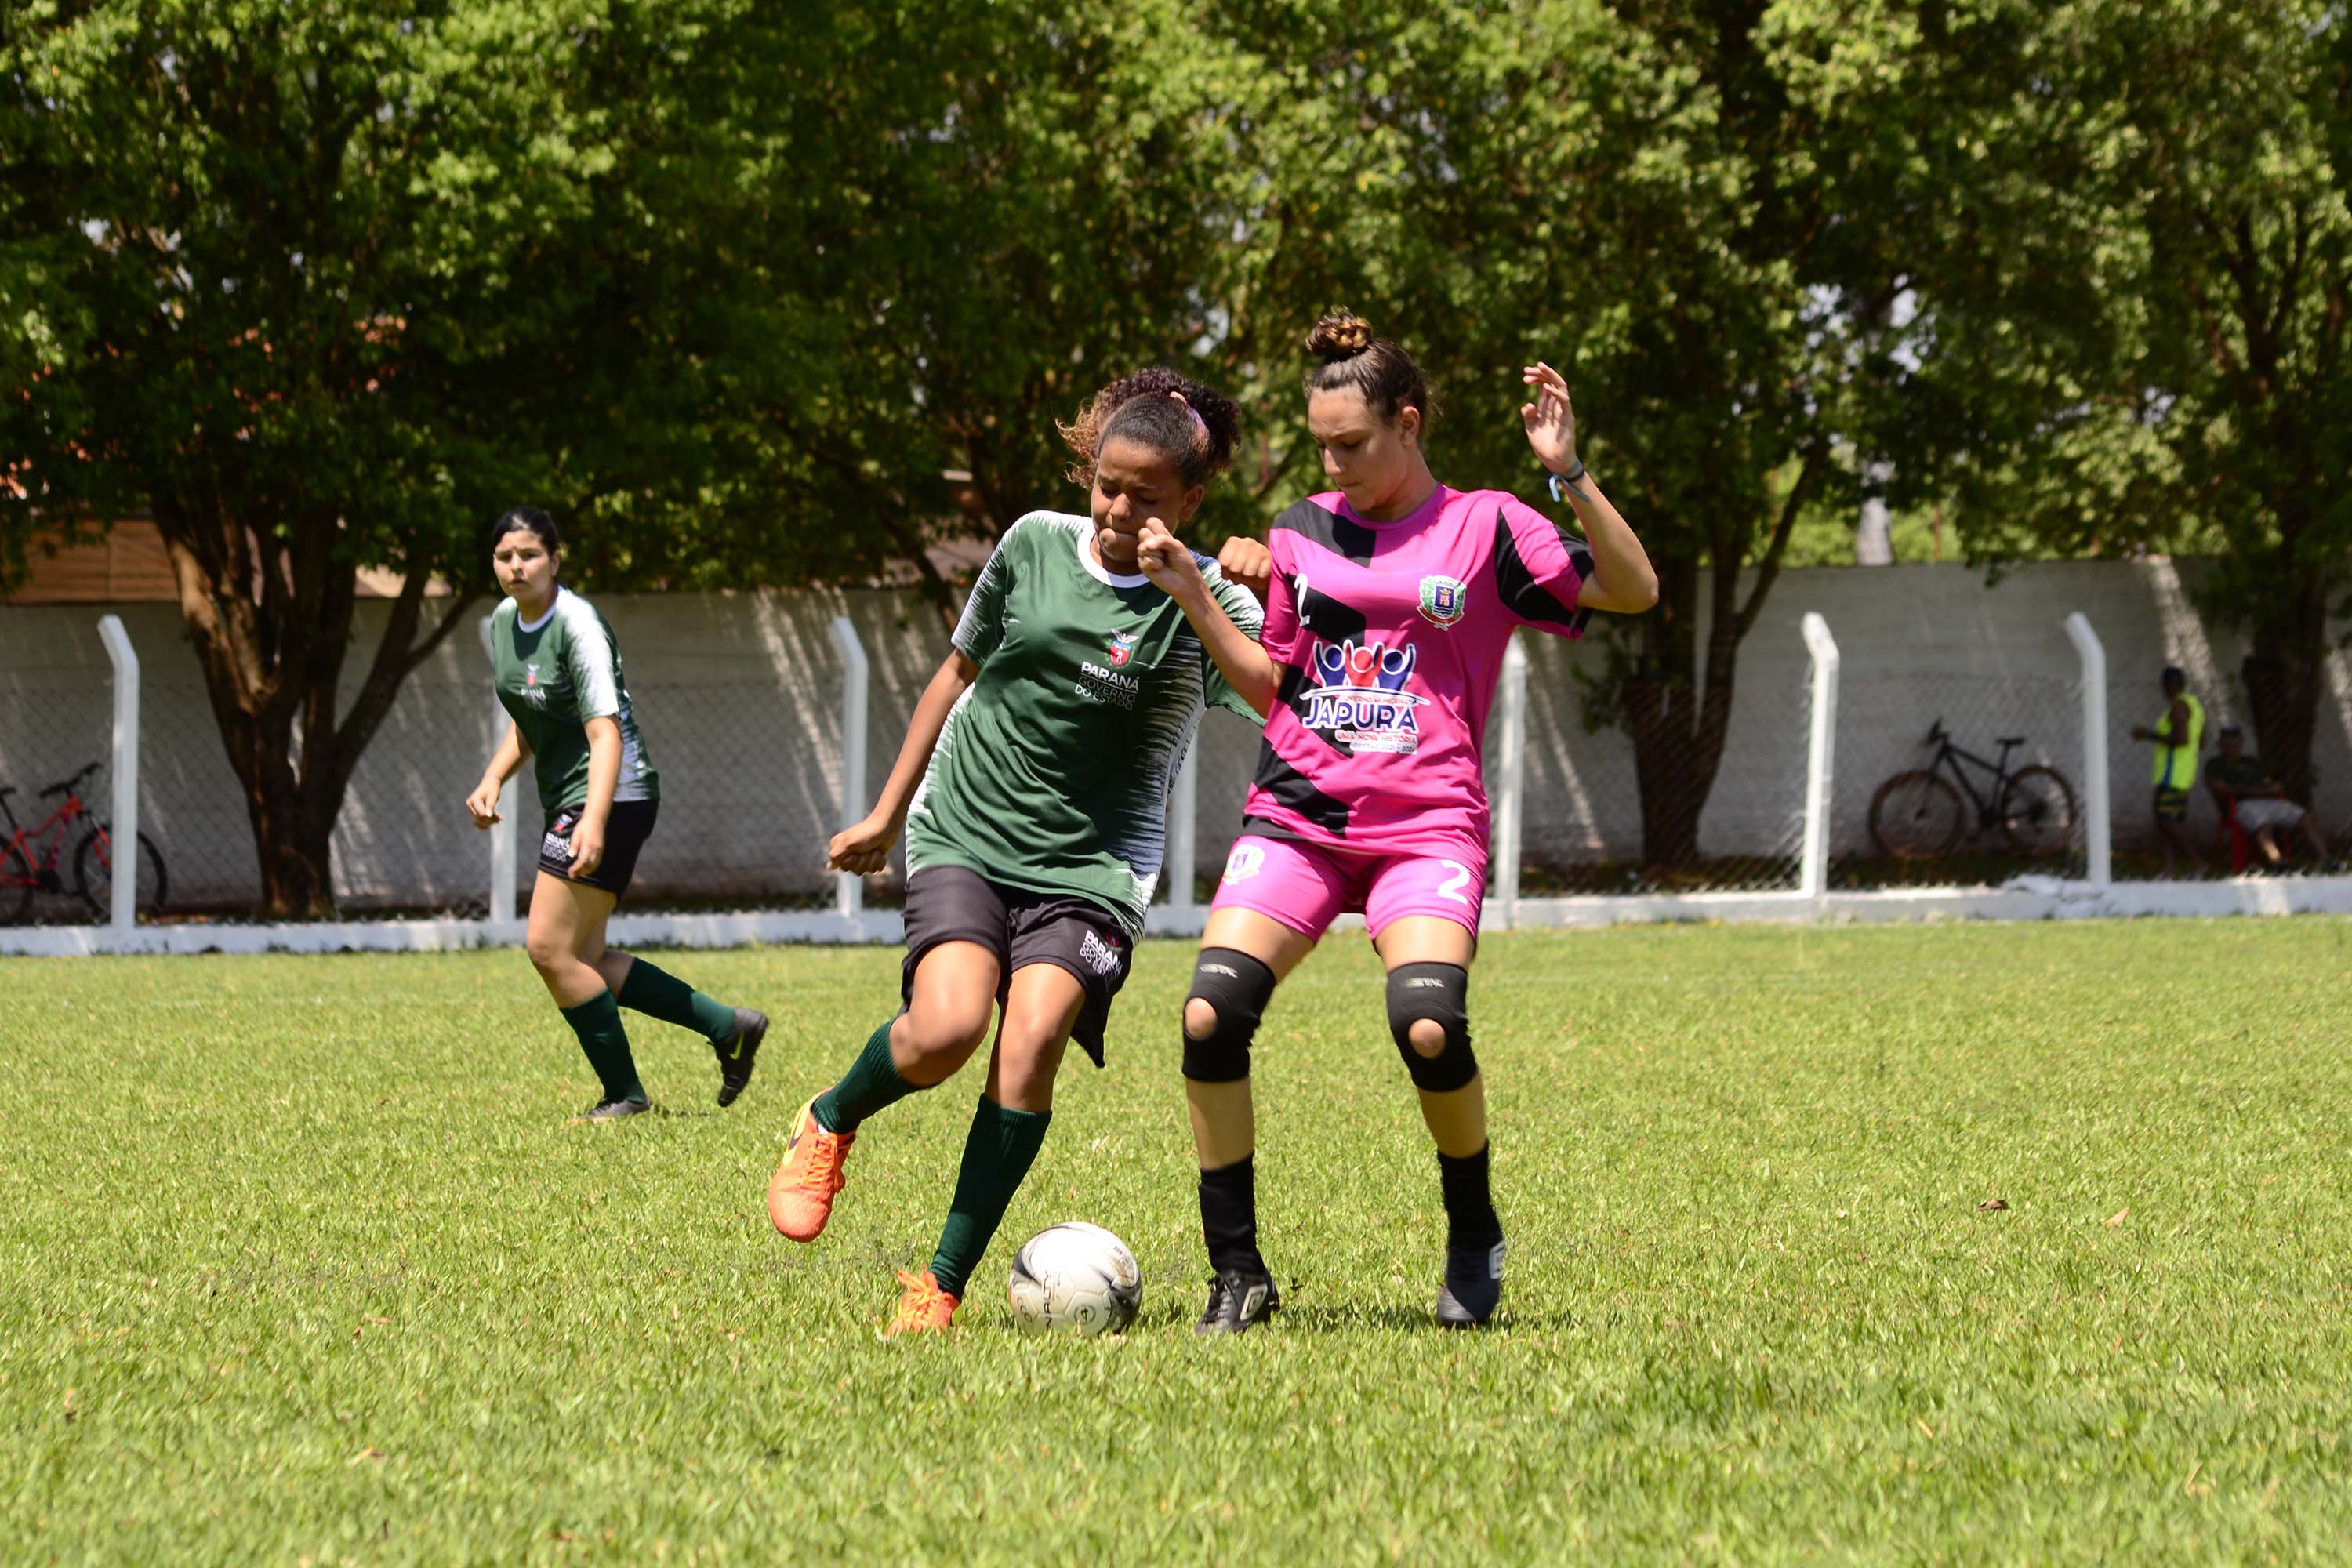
[1167,411]
[1352,356]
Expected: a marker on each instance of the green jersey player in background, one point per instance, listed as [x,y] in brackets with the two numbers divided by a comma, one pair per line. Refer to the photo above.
[1032,789]
[559,678]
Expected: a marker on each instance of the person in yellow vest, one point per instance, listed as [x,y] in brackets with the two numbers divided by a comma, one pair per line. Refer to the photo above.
[2177,737]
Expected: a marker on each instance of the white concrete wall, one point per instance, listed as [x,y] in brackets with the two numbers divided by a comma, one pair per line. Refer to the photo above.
[737,695]
[1920,642]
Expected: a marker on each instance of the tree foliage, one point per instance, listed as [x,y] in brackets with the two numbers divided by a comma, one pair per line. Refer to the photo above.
[2142,331]
[1684,205]
[323,287]
[738,286]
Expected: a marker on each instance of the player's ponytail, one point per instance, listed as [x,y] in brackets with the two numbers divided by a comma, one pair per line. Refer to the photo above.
[1188,422]
[1352,356]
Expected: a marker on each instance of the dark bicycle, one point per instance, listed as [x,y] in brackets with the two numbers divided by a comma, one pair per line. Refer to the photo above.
[28,861]
[1917,814]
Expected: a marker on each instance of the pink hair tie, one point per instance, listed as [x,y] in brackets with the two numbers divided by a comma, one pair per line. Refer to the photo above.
[1198,423]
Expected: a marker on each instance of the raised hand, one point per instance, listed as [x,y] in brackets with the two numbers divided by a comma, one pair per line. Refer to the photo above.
[865,849]
[1550,419]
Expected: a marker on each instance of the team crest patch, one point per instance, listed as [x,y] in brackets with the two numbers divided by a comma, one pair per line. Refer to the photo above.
[1443,600]
[1244,862]
[532,692]
[1122,647]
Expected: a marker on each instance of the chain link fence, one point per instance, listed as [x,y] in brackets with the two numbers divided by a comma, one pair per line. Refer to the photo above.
[738,698]
[1959,779]
[1584,828]
[56,730]
[1629,792]
[2251,830]
[1959,756]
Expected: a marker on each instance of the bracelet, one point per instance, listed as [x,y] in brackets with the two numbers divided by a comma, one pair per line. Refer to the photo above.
[1560,482]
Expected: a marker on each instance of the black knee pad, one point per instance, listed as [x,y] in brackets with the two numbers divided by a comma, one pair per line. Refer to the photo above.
[1237,986]
[1440,992]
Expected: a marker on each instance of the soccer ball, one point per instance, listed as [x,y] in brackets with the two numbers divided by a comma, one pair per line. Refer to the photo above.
[1077,1278]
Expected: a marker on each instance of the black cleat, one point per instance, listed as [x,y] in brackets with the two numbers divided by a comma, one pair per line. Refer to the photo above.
[1238,1302]
[613,1110]
[741,1051]
[1472,1286]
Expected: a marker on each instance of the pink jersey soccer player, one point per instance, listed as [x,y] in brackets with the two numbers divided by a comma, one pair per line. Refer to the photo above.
[1390,603]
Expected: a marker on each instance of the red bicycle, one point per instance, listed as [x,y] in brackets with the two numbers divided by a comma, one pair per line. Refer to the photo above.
[28,861]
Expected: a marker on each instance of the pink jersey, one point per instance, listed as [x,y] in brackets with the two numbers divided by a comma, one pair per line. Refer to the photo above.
[1389,638]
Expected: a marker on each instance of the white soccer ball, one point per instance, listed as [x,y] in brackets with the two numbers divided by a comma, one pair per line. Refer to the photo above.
[1078,1279]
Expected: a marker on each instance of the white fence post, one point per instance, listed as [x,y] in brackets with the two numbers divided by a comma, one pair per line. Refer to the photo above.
[849,889]
[1183,830]
[1821,756]
[2097,827]
[502,832]
[1510,811]
[123,831]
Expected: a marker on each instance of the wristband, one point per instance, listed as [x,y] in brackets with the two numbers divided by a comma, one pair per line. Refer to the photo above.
[1560,482]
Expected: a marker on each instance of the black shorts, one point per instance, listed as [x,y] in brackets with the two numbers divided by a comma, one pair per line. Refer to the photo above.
[626,827]
[952,903]
[2171,805]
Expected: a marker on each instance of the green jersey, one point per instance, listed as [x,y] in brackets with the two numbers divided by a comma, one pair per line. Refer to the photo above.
[553,676]
[1052,772]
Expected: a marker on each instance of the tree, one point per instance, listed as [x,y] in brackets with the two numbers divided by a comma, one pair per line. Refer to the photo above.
[326,286]
[1013,205]
[1687,203]
[2155,284]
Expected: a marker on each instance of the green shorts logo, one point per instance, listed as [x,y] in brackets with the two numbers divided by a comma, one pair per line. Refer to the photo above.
[1443,600]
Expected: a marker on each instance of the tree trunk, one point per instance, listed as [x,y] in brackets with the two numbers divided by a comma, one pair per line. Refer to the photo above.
[2284,672]
[294,852]
[271,628]
[1677,713]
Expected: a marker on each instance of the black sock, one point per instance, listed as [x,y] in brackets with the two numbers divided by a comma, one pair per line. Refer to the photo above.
[1229,1217]
[1469,1210]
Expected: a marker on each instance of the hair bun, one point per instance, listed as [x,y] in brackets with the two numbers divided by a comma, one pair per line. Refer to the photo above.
[1341,335]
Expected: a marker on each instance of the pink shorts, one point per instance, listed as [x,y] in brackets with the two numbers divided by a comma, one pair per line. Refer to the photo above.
[1307,886]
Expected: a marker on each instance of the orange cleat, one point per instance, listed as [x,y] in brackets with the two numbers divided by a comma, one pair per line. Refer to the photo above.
[800,1194]
[925,1309]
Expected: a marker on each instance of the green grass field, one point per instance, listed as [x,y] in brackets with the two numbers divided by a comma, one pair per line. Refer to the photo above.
[304,1263]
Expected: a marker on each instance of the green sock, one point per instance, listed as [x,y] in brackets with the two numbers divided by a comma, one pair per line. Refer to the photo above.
[657,994]
[871,1083]
[997,1153]
[606,1043]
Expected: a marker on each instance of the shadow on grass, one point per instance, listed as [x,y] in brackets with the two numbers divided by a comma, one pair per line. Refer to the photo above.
[1388,1319]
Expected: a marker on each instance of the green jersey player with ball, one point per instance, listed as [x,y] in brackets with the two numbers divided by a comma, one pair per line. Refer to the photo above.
[1033,791]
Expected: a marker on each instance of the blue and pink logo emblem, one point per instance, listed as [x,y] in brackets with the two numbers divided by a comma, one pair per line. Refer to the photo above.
[1359,699]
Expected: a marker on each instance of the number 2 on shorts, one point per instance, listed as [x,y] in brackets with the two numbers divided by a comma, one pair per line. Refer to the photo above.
[1452,886]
